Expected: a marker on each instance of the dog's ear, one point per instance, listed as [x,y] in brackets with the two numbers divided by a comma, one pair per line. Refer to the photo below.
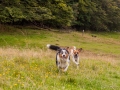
[59,49]
[80,49]
[67,49]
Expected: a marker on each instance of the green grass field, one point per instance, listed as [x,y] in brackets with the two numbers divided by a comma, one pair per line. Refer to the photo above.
[26,63]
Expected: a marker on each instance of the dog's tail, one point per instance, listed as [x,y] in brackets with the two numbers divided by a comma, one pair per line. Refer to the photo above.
[53,47]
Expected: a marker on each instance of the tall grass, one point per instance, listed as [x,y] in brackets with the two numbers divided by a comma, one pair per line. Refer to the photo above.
[31,69]
[26,63]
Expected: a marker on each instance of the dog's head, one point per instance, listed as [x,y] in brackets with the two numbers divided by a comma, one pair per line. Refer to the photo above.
[76,52]
[63,53]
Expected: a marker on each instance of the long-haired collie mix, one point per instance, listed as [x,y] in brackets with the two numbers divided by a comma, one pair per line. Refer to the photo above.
[63,56]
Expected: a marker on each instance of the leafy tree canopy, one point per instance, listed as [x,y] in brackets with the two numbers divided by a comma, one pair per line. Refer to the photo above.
[81,14]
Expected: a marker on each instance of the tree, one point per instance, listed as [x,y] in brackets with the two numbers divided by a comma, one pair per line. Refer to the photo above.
[63,13]
[53,12]
[82,14]
[86,8]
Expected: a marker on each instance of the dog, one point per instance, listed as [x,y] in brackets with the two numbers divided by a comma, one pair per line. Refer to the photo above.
[73,52]
[75,56]
[62,57]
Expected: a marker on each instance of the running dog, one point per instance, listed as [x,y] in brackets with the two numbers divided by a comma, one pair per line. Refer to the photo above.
[75,56]
[62,57]
[74,53]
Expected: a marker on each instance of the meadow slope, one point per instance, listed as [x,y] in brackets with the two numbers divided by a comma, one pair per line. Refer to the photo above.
[26,63]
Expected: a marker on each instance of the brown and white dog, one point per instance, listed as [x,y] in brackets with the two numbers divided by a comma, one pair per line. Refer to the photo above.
[62,57]
[73,52]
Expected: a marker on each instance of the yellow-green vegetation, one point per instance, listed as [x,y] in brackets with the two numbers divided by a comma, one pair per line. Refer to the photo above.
[26,63]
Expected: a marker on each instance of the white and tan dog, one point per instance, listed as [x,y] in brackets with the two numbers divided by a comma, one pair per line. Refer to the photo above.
[74,53]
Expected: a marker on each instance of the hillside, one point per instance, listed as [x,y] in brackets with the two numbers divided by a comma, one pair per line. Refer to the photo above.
[26,63]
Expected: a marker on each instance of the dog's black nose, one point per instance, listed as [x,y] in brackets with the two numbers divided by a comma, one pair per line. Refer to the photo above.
[75,55]
[63,55]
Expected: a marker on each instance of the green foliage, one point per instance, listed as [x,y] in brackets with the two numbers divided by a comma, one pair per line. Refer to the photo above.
[86,9]
[82,14]
[107,16]
[98,15]
[37,14]
[63,13]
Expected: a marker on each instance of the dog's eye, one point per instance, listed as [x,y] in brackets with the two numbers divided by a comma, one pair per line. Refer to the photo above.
[66,53]
[76,53]
[61,52]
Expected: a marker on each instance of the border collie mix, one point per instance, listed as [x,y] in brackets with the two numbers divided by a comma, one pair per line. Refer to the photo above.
[73,52]
[62,57]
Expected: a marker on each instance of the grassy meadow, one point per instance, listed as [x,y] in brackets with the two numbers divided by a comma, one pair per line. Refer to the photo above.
[26,63]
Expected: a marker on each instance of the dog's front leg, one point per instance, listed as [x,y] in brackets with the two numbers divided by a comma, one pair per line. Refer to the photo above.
[76,61]
[66,68]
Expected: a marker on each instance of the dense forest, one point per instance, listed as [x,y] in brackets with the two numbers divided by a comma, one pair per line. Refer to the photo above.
[97,15]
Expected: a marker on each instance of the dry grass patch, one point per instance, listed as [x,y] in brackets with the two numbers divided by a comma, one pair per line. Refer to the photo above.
[25,53]
[104,57]
[10,53]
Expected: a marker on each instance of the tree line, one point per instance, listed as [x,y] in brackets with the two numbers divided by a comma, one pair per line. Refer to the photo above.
[97,15]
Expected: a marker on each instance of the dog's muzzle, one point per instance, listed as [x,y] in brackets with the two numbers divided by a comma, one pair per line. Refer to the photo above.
[75,56]
[64,56]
